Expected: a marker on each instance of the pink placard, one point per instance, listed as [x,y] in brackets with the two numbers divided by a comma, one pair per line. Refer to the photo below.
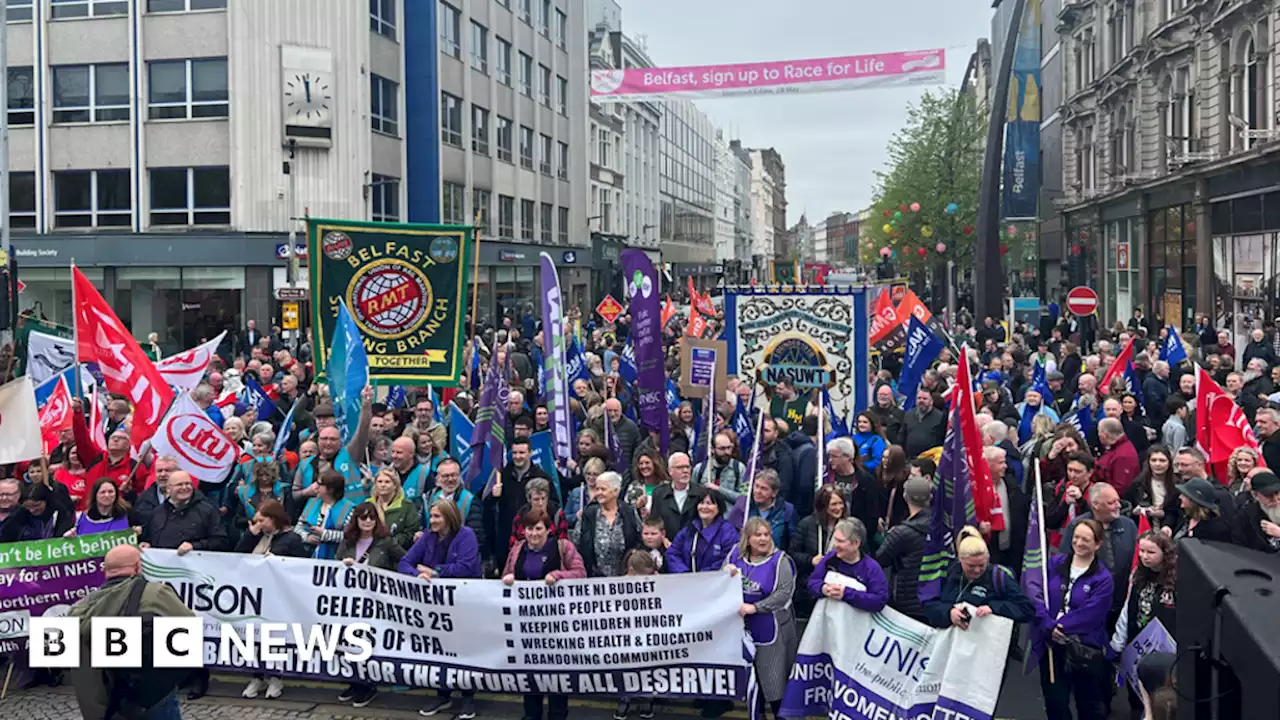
[787,76]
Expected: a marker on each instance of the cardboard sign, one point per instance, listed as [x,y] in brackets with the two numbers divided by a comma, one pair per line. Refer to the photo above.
[609,309]
[703,367]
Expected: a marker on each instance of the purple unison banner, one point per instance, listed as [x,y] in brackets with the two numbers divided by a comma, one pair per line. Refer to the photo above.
[49,576]
[646,337]
[556,382]
[1154,638]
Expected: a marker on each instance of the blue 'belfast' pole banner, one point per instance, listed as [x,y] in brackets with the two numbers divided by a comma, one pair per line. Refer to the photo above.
[646,336]
[1022,129]
[556,382]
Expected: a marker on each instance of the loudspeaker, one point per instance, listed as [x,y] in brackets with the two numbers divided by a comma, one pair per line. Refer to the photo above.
[1228,632]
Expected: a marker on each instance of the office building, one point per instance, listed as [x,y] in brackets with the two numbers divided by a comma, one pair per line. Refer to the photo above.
[686,190]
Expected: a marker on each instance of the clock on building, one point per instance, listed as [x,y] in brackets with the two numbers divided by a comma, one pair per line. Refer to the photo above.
[308,93]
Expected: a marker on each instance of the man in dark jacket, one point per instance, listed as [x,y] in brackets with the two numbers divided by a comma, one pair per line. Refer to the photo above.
[924,428]
[671,500]
[1155,392]
[1257,523]
[903,549]
[508,497]
[628,433]
[775,454]
[804,455]
[1259,347]
[186,520]
[1267,422]
[154,496]
[1007,545]
[887,412]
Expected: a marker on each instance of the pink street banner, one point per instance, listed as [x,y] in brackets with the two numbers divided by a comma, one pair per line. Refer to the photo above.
[857,72]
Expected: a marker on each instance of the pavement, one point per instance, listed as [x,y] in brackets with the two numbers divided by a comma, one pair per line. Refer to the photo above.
[1020,699]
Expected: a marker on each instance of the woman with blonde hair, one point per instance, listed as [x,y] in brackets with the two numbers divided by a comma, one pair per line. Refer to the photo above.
[1242,461]
[974,580]
[400,515]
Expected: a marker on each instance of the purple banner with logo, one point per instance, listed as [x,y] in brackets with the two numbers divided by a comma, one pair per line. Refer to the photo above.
[646,337]
[556,382]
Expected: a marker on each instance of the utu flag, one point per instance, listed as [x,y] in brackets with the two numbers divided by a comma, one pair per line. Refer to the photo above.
[923,347]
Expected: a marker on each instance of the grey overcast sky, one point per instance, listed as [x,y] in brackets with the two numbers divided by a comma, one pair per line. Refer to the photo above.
[831,142]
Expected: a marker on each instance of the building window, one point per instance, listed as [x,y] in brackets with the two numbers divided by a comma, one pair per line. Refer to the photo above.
[544,17]
[548,211]
[606,210]
[188,89]
[506,216]
[480,200]
[479,47]
[545,156]
[90,93]
[562,95]
[562,169]
[504,139]
[527,210]
[382,17]
[384,105]
[526,11]
[452,204]
[92,198]
[87,8]
[526,147]
[385,197]
[603,144]
[19,10]
[544,84]
[159,6]
[562,30]
[526,75]
[504,61]
[450,120]
[479,130]
[562,226]
[191,196]
[22,200]
[450,30]
[22,96]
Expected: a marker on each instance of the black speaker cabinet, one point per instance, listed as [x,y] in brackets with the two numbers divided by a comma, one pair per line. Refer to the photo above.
[1228,632]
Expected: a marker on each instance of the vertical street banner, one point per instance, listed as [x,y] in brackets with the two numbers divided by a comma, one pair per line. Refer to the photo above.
[1022,128]
[556,381]
[406,288]
[646,337]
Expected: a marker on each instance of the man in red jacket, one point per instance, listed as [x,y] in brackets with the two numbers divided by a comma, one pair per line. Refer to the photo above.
[115,463]
[1119,463]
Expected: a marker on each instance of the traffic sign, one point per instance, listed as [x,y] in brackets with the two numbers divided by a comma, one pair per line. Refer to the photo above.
[289,316]
[296,293]
[21,286]
[1082,301]
[609,309]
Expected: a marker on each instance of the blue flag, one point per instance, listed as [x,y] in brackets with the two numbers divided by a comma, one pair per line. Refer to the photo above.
[286,429]
[396,397]
[673,395]
[254,396]
[347,372]
[1081,419]
[576,363]
[1029,411]
[74,385]
[437,414]
[1172,350]
[742,425]
[923,347]
[839,426]
[542,454]
[627,365]
[475,364]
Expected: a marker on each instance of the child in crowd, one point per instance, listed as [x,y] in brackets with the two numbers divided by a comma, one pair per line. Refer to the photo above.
[654,535]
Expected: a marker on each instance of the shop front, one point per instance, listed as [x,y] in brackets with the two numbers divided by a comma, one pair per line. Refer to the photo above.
[183,288]
[607,249]
[509,279]
[705,275]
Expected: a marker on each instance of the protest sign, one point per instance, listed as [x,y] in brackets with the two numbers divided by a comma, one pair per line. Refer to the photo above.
[1154,638]
[677,636]
[864,666]
[703,367]
[48,576]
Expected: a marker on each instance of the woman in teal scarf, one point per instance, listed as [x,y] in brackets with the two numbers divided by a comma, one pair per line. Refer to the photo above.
[325,516]
[264,484]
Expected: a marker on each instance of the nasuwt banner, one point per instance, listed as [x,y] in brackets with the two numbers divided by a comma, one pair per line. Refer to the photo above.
[48,577]
[856,72]
[676,636]
[1022,126]
[868,666]
[406,288]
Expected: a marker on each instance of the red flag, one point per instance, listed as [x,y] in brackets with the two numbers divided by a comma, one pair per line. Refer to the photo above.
[103,339]
[1144,527]
[98,421]
[1221,425]
[697,324]
[669,311]
[911,305]
[885,318]
[1117,368]
[986,503]
[55,416]
[700,301]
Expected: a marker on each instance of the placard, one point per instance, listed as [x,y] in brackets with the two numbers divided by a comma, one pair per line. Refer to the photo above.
[703,367]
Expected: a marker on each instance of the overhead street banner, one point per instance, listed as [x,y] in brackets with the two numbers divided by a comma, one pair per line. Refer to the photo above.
[785,77]
[669,635]
[406,287]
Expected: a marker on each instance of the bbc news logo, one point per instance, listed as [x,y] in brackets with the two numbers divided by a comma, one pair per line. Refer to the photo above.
[179,642]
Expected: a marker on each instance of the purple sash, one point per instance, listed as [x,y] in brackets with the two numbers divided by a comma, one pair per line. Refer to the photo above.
[757,582]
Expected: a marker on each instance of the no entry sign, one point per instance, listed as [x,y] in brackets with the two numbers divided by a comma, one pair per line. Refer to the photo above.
[1082,301]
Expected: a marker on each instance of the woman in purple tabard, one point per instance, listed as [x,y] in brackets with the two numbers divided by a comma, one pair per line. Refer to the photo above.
[703,544]
[768,586]
[107,511]
[846,558]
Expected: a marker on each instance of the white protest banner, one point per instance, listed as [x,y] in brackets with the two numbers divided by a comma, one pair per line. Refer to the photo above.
[48,355]
[184,371]
[202,448]
[1154,638]
[671,635]
[19,422]
[869,666]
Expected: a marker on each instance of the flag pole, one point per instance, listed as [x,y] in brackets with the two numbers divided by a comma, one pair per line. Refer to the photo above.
[1044,559]
[822,449]
[75,332]
[475,280]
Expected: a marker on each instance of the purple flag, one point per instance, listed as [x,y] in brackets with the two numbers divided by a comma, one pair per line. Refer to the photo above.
[486,411]
[1033,567]
[556,382]
[951,493]
[937,551]
[954,469]
[646,337]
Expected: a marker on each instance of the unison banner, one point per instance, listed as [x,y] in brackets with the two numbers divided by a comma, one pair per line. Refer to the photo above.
[814,337]
[857,72]
[869,666]
[48,577]
[677,635]
[406,288]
